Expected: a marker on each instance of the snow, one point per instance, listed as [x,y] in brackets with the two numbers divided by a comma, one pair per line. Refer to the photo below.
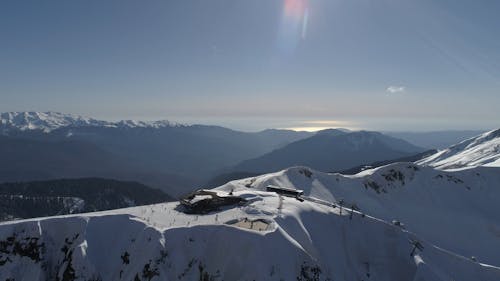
[447,208]
[44,121]
[49,121]
[454,215]
[452,212]
[483,150]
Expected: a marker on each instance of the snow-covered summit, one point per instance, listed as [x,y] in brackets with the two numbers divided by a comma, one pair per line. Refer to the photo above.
[50,121]
[483,150]
[43,121]
[144,124]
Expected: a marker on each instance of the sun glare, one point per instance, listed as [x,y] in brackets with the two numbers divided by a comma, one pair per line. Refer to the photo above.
[318,125]
[295,8]
[307,129]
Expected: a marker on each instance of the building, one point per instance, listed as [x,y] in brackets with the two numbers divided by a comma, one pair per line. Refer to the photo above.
[204,201]
[285,191]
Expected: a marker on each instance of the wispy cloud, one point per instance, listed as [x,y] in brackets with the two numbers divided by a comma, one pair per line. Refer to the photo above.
[395,89]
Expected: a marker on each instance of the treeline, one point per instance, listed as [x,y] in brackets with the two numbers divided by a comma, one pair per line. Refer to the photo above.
[66,196]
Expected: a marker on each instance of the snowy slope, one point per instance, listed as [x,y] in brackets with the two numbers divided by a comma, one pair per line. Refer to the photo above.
[447,208]
[50,121]
[483,150]
[305,240]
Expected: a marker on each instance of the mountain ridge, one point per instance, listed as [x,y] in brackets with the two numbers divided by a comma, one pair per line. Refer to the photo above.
[158,154]
[482,150]
[21,200]
[49,121]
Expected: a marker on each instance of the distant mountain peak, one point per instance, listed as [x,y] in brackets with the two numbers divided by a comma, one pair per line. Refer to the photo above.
[50,121]
[331,150]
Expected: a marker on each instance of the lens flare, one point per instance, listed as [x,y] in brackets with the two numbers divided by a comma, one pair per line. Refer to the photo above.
[293,24]
[295,8]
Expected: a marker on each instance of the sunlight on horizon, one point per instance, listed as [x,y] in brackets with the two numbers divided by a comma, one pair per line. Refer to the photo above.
[318,125]
[307,129]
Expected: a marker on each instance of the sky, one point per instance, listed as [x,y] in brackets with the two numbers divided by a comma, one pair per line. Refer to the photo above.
[249,65]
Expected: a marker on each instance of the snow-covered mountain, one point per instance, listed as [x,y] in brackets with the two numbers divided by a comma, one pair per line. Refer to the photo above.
[483,150]
[448,217]
[50,121]
[43,121]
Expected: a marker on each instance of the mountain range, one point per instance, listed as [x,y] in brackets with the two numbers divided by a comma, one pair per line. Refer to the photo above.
[401,221]
[163,154]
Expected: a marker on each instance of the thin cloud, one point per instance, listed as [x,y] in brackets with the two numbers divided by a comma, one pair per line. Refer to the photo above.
[395,89]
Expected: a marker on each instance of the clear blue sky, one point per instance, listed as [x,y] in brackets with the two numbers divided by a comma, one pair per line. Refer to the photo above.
[385,64]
